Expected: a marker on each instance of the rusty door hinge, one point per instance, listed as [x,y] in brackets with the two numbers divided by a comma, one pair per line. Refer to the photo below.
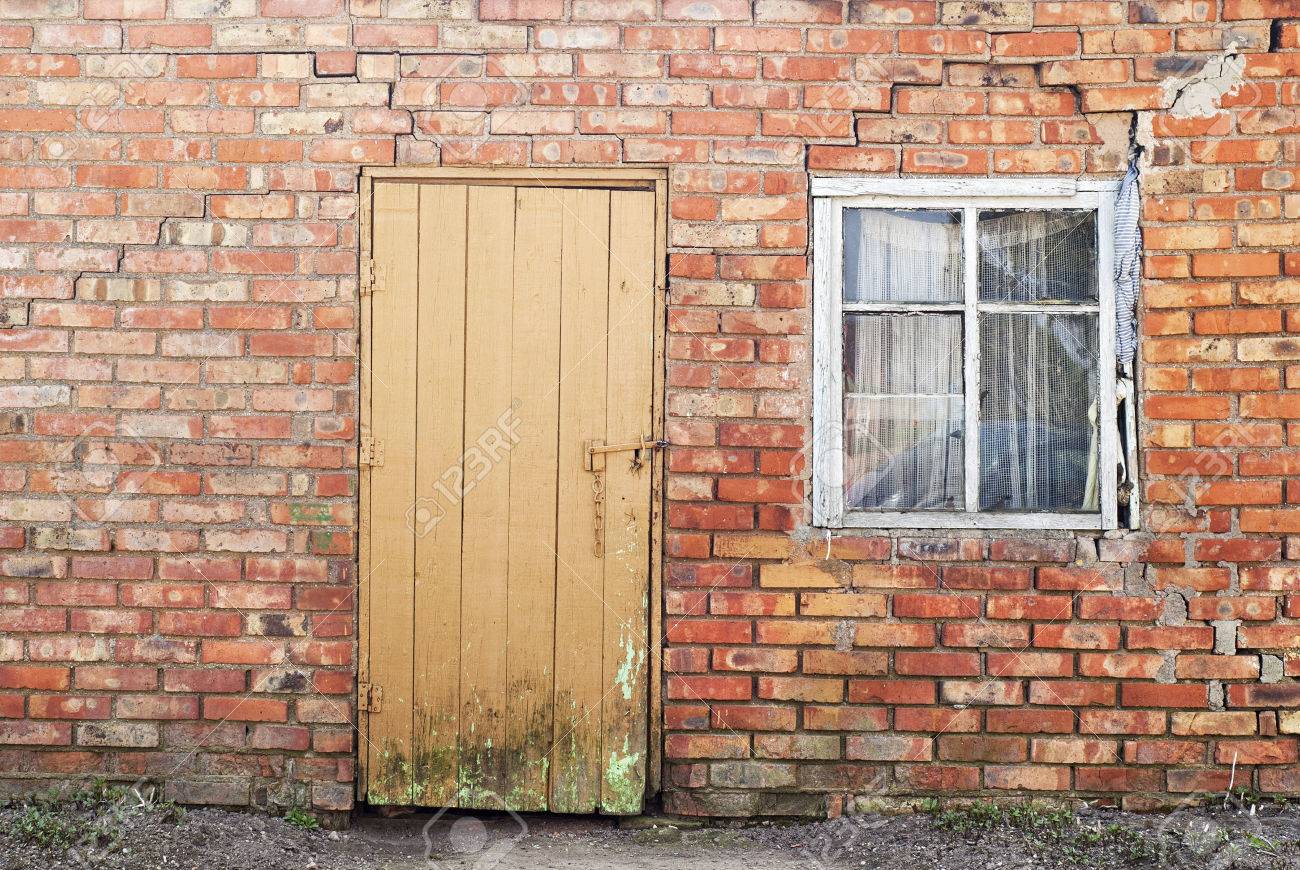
[370,698]
[372,277]
[372,451]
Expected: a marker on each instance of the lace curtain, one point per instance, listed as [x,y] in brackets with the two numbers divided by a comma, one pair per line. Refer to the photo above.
[903,419]
[903,372]
[903,402]
[902,256]
[1038,372]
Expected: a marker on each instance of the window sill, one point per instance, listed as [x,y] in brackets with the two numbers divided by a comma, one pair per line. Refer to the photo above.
[959,520]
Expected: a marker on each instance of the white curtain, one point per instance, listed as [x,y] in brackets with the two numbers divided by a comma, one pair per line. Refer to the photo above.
[902,256]
[1038,372]
[1038,256]
[903,417]
[903,411]
[903,402]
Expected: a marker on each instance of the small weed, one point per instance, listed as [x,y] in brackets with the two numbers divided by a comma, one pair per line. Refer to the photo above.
[45,828]
[300,818]
[1130,843]
[1242,797]
[1263,844]
[986,815]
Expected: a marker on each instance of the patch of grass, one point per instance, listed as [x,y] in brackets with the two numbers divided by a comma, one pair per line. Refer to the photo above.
[300,818]
[92,819]
[45,828]
[1050,832]
[986,815]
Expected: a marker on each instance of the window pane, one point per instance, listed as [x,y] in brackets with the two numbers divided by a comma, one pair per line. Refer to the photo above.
[1038,412]
[902,256]
[903,411]
[1038,256]
[902,353]
[903,453]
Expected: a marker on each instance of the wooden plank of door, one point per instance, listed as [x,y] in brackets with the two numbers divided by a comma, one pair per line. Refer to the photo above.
[436,517]
[484,772]
[579,582]
[535,371]
[627,485]
[392,581]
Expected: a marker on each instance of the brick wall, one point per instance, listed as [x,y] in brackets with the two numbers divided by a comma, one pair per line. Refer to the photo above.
[178,386]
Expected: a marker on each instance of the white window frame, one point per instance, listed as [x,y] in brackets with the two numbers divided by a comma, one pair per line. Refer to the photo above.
[831,195]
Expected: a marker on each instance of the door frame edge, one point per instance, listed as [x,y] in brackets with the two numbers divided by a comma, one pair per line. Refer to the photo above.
[365,201]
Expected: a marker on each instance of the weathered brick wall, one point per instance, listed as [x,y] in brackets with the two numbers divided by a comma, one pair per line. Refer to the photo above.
[178,187]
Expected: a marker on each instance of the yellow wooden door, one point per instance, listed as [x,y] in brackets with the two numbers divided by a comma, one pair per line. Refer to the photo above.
[506,569]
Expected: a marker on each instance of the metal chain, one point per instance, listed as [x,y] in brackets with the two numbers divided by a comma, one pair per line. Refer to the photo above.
[598,519]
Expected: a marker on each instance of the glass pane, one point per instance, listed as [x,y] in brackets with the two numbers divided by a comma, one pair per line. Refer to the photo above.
[1038,412]
[889,354]
[903,453]
[1038,256]
[902,256]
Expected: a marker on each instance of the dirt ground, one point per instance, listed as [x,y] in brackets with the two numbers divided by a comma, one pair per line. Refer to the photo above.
[113,834]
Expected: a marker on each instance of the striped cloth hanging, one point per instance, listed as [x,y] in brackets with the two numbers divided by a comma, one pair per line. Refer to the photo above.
[1128,266]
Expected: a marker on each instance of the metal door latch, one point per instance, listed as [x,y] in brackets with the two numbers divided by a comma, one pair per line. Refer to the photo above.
[593,459]
[596,447]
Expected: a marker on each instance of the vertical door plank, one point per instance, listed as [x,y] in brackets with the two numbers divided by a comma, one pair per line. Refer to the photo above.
[392,582]
[627,519]
[436,517]
[579,582]
[484,764]
[531,584]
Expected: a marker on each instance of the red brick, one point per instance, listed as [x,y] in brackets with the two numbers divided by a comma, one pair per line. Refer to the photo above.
[972,577]
[1072,694]
[1163,695]
[937,664]
[937,720]
[1034,778]
[710,688]
[1113,779]
[801,689]
[891,691]
[1122,721]
[1077,636]
[753,717]
[1029,607]
[1123,665]
[245,709]
[1030,664]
